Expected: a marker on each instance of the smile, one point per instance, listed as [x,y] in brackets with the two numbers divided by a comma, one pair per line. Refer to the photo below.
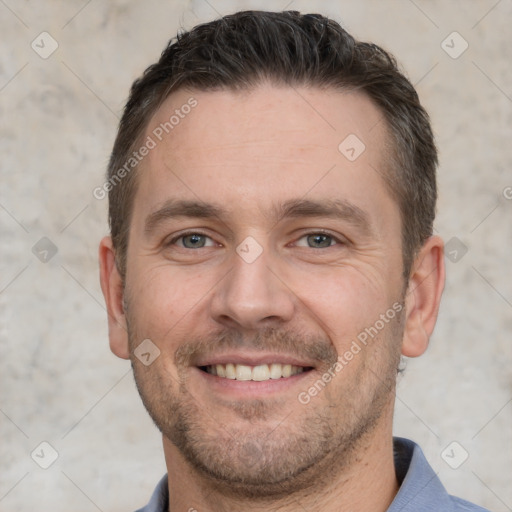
[258,373]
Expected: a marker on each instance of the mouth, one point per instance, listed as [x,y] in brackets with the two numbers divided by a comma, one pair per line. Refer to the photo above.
[258,373]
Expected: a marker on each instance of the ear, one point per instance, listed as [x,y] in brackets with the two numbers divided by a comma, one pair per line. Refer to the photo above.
[112,288]
[426,283]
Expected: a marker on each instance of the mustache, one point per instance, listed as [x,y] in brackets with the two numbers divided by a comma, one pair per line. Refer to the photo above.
[302,345]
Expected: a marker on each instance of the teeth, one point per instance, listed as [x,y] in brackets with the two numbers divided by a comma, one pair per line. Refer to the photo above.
[230,371]
[257,373]
[287,370]
[260,372]
[275,371]
[243,372]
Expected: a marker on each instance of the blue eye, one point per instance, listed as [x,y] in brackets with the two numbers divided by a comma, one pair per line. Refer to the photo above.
[316,241]
[319,240]
[194,241]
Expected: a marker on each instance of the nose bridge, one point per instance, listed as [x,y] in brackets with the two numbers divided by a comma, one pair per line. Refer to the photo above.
[251,295]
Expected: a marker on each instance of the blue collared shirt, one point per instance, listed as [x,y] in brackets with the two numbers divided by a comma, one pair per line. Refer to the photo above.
[420,489]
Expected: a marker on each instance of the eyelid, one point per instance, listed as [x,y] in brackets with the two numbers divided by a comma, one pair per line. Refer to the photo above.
[339,239]
[183,234]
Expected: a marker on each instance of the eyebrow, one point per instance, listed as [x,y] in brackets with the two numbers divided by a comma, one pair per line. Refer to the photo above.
[332,208]
[295,208]
[180,208]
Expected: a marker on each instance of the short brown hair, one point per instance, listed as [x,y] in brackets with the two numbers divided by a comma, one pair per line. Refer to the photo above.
[242,50]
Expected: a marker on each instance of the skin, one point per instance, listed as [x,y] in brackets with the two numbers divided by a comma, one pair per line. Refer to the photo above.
[248,445]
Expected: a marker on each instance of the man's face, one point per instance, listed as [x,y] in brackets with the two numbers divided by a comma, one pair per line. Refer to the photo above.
[256,244]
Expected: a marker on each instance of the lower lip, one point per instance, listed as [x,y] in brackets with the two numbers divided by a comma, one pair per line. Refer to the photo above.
[251,388]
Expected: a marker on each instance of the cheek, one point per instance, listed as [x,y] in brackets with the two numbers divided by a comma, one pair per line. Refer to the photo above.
[346,300]
[164,300]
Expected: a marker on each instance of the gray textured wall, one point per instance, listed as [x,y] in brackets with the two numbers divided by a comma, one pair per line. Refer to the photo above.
[59,382]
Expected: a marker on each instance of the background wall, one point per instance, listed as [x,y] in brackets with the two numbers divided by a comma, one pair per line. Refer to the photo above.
[59,112]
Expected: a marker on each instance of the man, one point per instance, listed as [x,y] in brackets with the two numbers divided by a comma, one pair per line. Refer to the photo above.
[271,198]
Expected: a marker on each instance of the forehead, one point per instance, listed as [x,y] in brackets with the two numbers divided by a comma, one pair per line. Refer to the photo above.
[264,146]
[266,114]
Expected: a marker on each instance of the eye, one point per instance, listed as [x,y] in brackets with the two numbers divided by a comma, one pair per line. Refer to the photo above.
[193,241]
[317,241]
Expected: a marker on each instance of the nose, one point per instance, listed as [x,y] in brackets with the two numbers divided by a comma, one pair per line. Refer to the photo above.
[252,295]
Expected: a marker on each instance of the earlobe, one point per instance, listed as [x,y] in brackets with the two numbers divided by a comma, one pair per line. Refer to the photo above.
[423,297]
[112,288]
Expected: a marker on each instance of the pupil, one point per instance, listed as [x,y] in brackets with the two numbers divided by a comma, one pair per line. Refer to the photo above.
[320,240]
[194,240]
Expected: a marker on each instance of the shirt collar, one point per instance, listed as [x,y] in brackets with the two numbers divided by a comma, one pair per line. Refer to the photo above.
[420,488]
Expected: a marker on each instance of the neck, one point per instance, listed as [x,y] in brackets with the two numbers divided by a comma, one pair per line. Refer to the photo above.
[367,484]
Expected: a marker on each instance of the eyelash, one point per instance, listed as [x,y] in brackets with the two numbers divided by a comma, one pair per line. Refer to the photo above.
[336,239]
[183,235]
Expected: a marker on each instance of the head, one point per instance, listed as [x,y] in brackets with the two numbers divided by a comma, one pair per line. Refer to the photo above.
[241,51]
[280,214]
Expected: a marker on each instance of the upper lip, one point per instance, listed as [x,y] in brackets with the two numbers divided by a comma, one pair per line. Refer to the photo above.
[252,359]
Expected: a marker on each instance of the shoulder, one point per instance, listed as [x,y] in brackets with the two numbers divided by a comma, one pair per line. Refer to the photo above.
[420,488]
[159,501]
[460,505]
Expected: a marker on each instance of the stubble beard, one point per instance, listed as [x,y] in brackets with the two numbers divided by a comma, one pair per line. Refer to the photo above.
[262,454]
